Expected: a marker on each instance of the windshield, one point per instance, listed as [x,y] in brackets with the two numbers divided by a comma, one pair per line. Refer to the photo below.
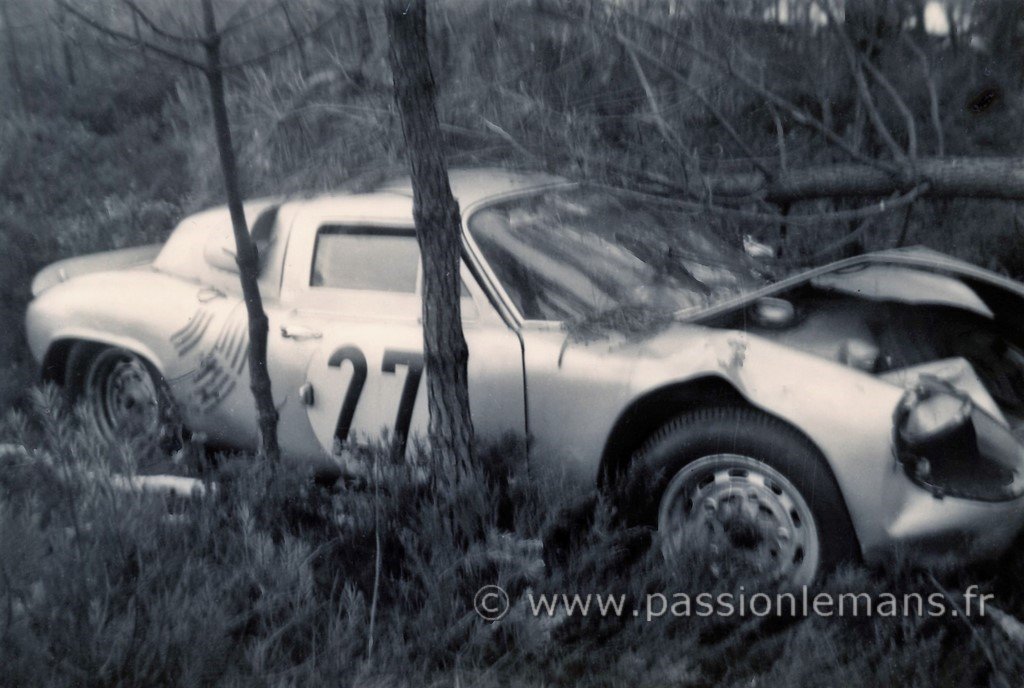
[573,253]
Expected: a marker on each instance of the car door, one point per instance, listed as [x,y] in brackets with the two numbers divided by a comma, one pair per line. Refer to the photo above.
[355,287]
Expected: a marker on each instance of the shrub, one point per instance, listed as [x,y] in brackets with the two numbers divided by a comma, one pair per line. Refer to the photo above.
[271,579]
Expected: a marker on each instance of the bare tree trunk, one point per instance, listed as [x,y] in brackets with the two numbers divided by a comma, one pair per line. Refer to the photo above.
[248,260]
[13,64]
[137,30]
[297,37]
[438,229]
[65,47]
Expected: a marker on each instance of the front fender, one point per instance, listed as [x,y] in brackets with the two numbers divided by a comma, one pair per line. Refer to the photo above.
[578,393]
[846,413]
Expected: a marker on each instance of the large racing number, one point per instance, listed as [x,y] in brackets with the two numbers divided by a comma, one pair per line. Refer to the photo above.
[413,360]
[355,387]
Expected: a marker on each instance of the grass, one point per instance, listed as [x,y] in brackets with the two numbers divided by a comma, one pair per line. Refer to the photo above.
[272,580]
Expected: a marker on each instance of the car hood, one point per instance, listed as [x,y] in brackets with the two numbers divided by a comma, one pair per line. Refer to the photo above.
[912,275]
[69,268]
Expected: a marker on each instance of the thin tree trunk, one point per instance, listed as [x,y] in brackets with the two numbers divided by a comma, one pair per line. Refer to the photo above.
[13,64]
[297,37]
[138,37]
[65,48]
[438,229]
[248,261]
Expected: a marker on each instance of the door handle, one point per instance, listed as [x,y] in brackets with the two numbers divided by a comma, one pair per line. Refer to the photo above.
[299,332]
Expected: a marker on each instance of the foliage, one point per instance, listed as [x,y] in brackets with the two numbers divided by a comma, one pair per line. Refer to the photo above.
[271,580]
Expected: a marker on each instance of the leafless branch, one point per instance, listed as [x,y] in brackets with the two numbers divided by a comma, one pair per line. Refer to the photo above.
[901,104]
[508,137]
[933,97]
[799,115]
[230,21]
[287,44]
[905,227]
[863,90]
[652,100]
[633,48]
[841,243]
[235,22]
[157,29]
[121,36]
[780,137]
[881,207]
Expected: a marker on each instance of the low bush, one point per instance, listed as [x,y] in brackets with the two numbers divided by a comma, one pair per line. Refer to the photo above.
[270,579]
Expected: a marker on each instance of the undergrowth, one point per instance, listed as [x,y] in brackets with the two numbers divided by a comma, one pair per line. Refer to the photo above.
[270,579]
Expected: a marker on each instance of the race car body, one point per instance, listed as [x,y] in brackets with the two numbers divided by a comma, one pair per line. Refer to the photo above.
[875,403]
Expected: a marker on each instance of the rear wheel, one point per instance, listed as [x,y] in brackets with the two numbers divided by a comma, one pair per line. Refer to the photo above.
[749,492]
[126,396]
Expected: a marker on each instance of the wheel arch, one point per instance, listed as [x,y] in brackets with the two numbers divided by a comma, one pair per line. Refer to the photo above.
[654,408]
[650,411]
[55,361]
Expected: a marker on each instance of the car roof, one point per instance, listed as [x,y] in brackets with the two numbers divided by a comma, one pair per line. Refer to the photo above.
[391,201]
[473,185]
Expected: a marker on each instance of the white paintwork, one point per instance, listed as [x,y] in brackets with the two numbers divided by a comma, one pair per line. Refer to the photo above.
[524,376]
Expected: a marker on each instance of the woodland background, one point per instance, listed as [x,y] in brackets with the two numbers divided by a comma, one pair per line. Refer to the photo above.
[104,144]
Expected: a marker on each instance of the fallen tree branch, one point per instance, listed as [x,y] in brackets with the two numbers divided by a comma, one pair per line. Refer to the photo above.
[884,206]
[988,178]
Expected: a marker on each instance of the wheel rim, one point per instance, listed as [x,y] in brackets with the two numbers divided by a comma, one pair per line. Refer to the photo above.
[123,395]
[746,517]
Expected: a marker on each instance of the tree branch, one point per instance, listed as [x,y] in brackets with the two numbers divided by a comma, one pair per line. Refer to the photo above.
[990,178]
[933,97]
[884,206]
[632,47]
[799,115]
[114,33]
[156,28]
[863,90]
[652,99]
[288,44]
[901,104]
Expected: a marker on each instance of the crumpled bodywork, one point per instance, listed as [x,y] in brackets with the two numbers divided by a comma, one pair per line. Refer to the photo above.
[917,314]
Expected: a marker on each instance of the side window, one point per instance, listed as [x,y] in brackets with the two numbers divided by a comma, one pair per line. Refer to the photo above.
[368,258]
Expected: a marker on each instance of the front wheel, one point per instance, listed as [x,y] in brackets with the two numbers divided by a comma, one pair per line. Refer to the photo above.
[748,491]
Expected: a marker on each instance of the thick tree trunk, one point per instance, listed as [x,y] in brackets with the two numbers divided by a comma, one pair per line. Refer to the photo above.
[248,260]
[991,178]
[438,229]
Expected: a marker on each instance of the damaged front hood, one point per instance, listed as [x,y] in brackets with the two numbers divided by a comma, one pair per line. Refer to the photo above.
[914,275]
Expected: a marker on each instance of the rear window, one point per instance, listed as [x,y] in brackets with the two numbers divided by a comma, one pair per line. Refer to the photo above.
[368,258]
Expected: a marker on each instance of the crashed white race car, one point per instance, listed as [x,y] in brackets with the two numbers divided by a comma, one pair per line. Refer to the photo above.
[862,406]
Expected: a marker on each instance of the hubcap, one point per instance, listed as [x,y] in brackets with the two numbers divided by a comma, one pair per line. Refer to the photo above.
[747,518]
[123,395]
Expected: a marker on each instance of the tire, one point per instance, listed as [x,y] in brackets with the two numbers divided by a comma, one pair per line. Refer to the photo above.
[127,397]
[748,491]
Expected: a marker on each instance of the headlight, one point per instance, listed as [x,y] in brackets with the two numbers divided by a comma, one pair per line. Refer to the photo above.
[951,447]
